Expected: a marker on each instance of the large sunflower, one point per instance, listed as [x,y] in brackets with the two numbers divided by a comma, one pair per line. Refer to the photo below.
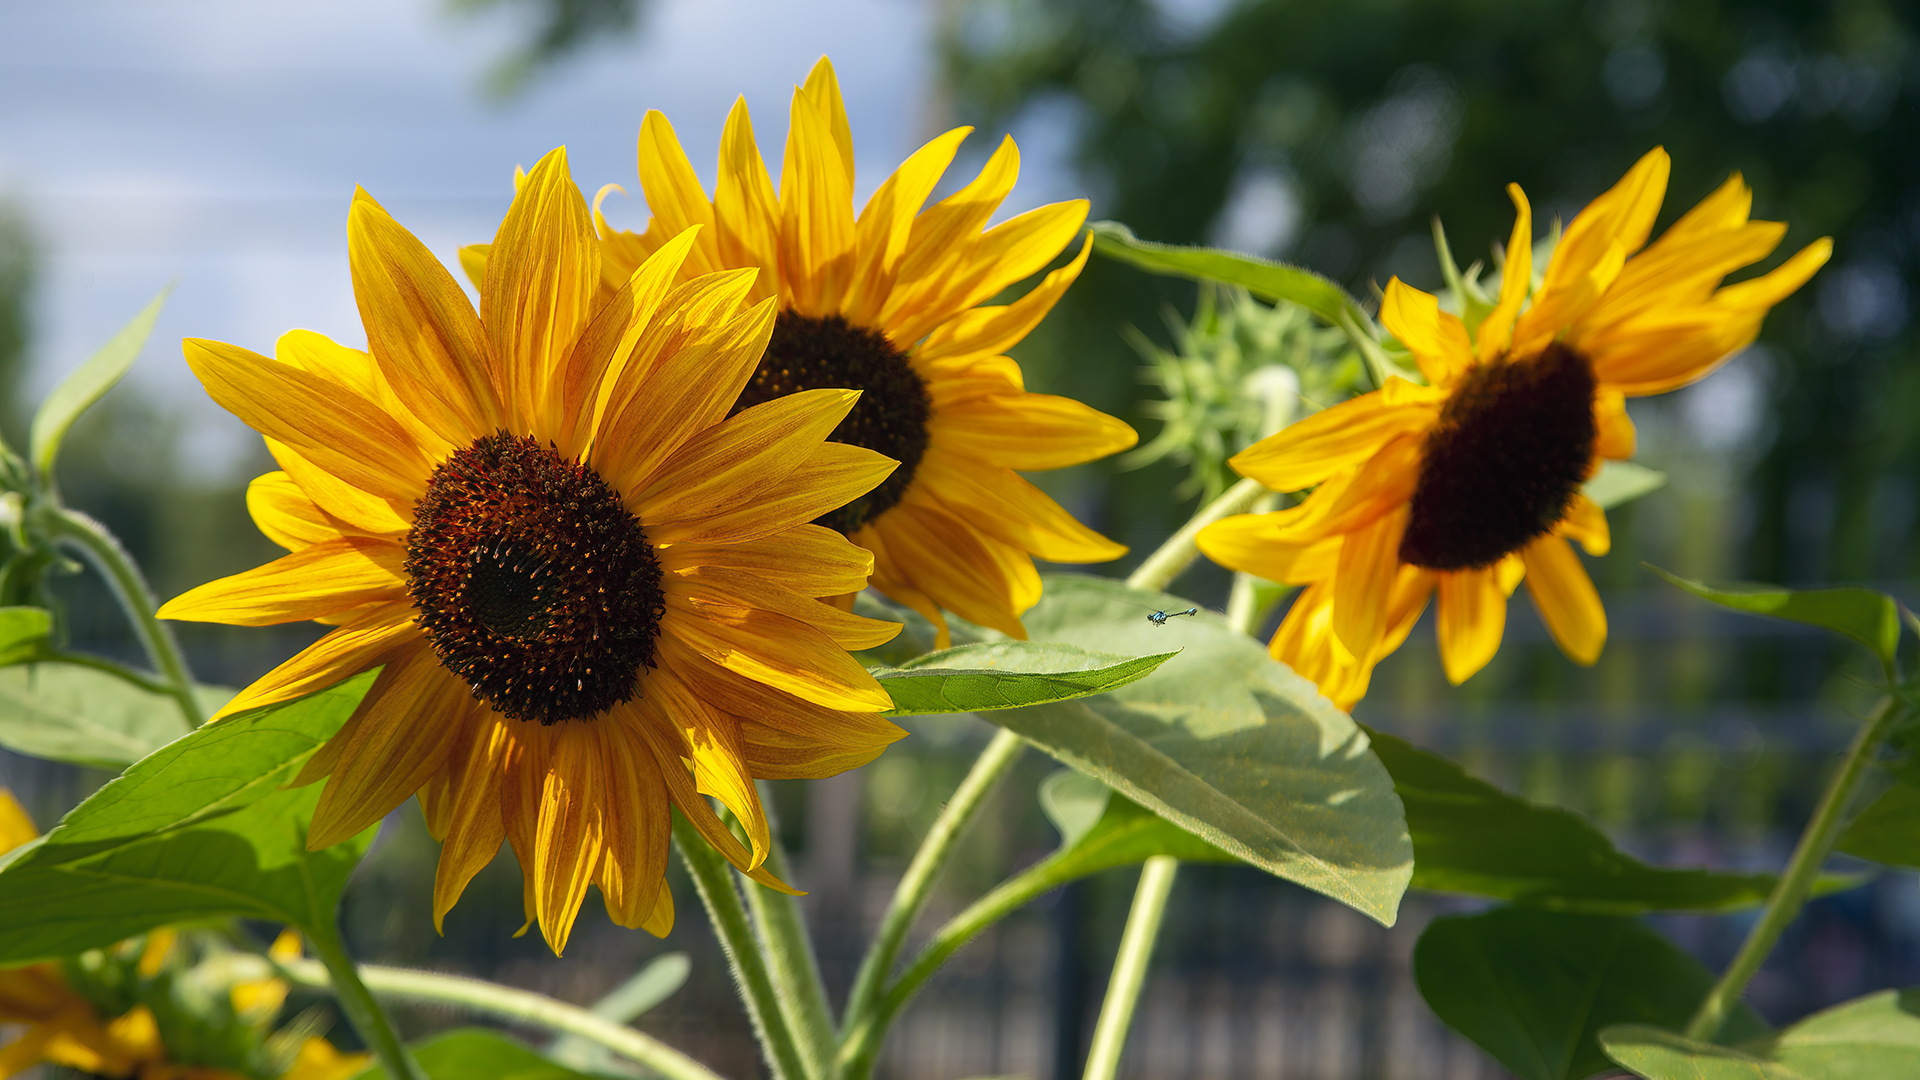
[1471,483]
[590,589]
[61,1026]
[890,302]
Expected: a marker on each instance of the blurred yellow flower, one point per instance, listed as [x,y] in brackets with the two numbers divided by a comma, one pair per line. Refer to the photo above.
[1471,483]
[892,302]
[590,589]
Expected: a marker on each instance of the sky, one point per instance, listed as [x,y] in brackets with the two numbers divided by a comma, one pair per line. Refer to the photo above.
[218,143]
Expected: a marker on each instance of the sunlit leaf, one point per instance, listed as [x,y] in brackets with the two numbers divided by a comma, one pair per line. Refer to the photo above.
[66,712]
[1264,278]
[1101,829]
[1868,617]
[1533,988]
[22,632]
[1621,482]
[1659,1054]
[200,828]
[478,1054]
[1869,1038]
[1225,743]
[1007,675]
[78,391]
[1471,837]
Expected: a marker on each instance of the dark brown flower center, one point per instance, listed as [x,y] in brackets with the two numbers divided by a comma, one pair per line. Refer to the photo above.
[808,354]
[1511,449]
[532,581]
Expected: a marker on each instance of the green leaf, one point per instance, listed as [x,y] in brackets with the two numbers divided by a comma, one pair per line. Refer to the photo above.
[89,381]
[22,631]
[479,1054]
[1007,675]
[1222,741]
[1662,1055]
[200,828]
[1621,482]
[66,712]
[1471,837]
[1868,1038]
[1533,987]
[1888,830]
[1868,617]
[1264,278]
[1101,829]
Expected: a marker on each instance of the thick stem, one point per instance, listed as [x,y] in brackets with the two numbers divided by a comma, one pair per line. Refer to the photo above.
[1790,892]
[362,1011]
[1178,553]
[100,663]
[1130,967]
[507,1003]
[791,963]
[113,562]
[713,879]
[921,874]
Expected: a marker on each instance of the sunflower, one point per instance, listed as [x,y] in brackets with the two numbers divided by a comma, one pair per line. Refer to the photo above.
[589,588]
[891,302]
[1470,484]
[65,1027]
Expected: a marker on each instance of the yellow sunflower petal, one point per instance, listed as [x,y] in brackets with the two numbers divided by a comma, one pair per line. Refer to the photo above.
[719,765]
[1001,504]
[740,589]
[600,356]
[816,210]
[942,237]
[286,515]
[16,827]
[1615,435]
[639,830]
[925,550]
[746,212]
[675,196]
[832,476]
[474,824]
[1587,523]
[1304,454]
[404,733]
[1354,497]
[809,559]
[1565,598]
[1437,339]
[1028,432]
[1006,253]
[884,225]
[542,275]
[783,653]
[742,459]
[1594,250]
[1363,581]
[797,718]
[986,331]
[1516,278]
[1250,543]
[359,442]
[363,511]
[774,754]
[1473,617]
[421,327]
[570,831]
[822,91]
[317,580]
[342,654]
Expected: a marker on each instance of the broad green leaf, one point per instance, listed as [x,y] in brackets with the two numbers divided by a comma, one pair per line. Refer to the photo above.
[22,630]
[1264,278]
[1621,482]
[1867,1038]
[89,381]
[1868,617]
[1225,743]
[1888,830]
[200,828]
[1662,1055]
[1471,837]
[1007,675]
[479,1054]
[66,712]
[1533,987]
[1100,829]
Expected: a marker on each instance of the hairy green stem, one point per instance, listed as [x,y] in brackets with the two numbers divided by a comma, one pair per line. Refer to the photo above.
[357,1002]
[100,663]
[1178,553]
[113,562]
[1790,892]
[791,963]
[713,879]
[1130,966]
[917,884]
[507,1003]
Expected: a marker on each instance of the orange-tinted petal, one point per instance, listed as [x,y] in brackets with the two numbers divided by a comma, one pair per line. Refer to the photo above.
[318,580]
[1565,598]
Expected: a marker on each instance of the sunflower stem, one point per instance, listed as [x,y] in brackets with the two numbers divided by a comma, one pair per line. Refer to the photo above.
[1130,966]
[915,887]
[1178,553]
[792,965]
[713,879]
[363,1012]
[507,1003]
[1790,892]
[130,588]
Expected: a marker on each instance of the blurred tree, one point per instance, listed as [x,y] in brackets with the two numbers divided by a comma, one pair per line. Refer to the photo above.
[1328,133]
[558,29]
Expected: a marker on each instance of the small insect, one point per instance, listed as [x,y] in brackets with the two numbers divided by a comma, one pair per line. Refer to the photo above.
[1159,618]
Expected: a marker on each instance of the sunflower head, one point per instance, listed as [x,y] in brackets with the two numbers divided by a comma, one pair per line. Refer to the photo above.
[1471,483]
[585,570]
